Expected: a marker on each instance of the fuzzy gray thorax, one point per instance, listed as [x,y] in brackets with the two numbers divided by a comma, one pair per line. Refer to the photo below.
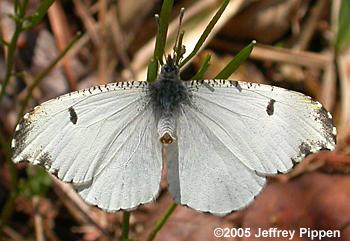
[168,92]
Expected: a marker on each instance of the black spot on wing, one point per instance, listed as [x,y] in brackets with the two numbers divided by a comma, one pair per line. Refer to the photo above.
[325,118]
[270,107]
[73,115]
[305,149]
[308,147]
[294,162]
[22,131]
[237,85]
[211,88]
[44,160]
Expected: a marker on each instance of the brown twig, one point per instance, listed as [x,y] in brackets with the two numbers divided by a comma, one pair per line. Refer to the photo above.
[281,55]
[329,84]
[103,44]
[88,21]
[310,26]
[344,76]
[333,162]
[61,30]
[77,207]
[12,234]
[119,42]
[38,222]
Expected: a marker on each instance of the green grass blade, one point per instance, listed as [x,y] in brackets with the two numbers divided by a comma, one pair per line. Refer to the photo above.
[164,20]
[204,67]
[125,226]
[343,35]
[22,9]
[206,32]
[236,61]
[16,7]
[11,51]
[38,15]
[152,70]
[37,183]
[161,222]
[3,42]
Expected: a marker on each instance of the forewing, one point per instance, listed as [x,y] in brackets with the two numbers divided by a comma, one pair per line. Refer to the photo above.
[266,128]
[92,136]
[133,174]
[203,173]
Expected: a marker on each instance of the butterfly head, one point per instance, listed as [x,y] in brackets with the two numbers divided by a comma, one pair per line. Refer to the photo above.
[170,70]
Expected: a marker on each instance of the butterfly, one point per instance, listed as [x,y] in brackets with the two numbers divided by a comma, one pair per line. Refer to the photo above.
[222,138]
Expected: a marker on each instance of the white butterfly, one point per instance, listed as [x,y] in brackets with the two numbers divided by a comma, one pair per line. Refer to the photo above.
[223,138]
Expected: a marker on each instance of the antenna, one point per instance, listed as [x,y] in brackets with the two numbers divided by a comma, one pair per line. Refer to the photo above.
[179,49]
[182,13]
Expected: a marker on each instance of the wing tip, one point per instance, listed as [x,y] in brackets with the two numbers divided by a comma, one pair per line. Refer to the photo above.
[16,159]
[19,140]
[329,130]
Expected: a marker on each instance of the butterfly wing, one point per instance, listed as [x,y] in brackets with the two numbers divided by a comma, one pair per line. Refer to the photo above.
[101,139]
[203,174]
[260,122]
[239,133]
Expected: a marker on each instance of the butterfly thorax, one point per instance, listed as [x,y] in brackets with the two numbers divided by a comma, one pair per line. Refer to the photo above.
[167,94]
